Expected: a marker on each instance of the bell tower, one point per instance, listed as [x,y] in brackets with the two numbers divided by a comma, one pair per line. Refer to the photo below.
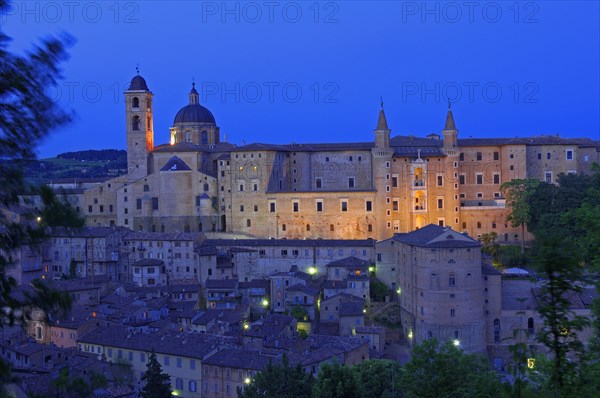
[139,127]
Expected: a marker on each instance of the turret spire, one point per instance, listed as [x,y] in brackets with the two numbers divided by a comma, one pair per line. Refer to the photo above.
[193,94]
[382,121]
[382,132]
[449,118]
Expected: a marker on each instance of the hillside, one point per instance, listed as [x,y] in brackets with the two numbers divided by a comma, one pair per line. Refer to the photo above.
[81,164]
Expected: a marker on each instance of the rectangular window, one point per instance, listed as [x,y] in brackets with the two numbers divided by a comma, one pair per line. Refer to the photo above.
[461,157]
[138,204]
[395,205]
[319,205]
[569,154]
[479,156]
[368,205]
[548,156]
[295,207]
[155,203]
[496,178]
[344,205]
[548,176]
[440,203]
[461,179]
[318,183]
[452,312]
[350,182]
[496,156]
[394,181]
[440,180]
[479,178]
[272,207]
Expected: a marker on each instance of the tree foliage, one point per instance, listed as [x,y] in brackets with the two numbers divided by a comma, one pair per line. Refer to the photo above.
[378,378]
[517,193]
[444,371]
[555,257]
[279,381]
[156,383]
[77,387]
[58,212]
[336,381]
[27,115]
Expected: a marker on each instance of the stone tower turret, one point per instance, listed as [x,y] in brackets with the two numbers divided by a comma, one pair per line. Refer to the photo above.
[450,132]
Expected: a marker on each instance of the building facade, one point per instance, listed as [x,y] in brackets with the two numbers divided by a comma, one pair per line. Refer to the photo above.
[354,190]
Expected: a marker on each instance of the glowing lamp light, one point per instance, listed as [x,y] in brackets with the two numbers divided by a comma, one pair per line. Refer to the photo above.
[312,270]
[371,269]
[456,342]
[410,335]
[399,291]
[175,393]
[265,303]
[247,380]
[246,326]
[531,363]
[364,310]
[172,142]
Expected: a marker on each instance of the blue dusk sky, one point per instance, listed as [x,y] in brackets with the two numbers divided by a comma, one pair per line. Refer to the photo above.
[288,71]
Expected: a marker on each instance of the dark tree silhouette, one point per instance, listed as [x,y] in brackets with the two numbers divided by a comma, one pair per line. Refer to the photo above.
[157,384]
[27,115]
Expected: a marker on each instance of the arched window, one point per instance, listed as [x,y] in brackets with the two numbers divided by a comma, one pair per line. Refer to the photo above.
[188,136]
[135,123]
[530,326]
[497,330]
[434,282]
[146,188]
[204,137]
[135,103]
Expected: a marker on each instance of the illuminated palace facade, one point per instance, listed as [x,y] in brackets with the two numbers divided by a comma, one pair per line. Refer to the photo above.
[353,190]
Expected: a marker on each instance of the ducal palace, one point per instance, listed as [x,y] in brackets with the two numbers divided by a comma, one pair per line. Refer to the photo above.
[351,190]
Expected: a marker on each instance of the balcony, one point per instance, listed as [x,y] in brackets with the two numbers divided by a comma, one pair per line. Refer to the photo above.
[418,184]
[483,204]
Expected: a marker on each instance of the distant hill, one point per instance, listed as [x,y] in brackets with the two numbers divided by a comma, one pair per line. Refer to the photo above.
[103,155]
[80,165]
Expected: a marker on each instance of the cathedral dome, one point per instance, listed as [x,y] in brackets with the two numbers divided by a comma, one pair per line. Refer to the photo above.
[194,112]
[138,83]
